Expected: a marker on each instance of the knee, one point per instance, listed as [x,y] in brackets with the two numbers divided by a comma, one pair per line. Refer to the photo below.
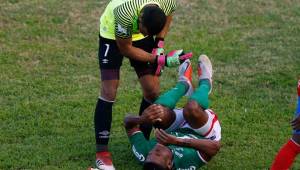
[151,94]
[109,92]
[191,110]
[150,86]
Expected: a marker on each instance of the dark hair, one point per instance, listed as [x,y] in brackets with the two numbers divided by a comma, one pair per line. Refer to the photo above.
[153,166]
[153,18]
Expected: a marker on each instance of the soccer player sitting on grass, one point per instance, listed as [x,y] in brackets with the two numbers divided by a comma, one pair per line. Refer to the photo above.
[285,157]
[191,136]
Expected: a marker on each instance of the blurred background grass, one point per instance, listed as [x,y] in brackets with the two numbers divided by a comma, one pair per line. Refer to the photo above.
[50,80]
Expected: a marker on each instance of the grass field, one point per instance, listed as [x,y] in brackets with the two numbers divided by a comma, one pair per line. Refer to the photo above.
[50,80]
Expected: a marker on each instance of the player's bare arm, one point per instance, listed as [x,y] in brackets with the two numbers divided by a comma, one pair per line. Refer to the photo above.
[206,146]
[126,48]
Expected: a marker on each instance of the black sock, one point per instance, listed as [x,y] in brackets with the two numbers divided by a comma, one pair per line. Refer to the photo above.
[102,122]
[145,128]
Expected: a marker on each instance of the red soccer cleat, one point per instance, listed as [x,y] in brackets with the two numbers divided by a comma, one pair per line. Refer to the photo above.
[104,161]
[185,72]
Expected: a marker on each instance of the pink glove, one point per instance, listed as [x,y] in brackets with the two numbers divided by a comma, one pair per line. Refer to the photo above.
[174,58]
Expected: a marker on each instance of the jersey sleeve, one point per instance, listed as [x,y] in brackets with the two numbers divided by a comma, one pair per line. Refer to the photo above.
[141,146]
[123,23]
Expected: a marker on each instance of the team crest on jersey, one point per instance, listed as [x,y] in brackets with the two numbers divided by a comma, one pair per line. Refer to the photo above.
[121,29]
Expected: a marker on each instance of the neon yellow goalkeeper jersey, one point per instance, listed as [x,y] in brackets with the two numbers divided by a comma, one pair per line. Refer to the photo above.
[120,17]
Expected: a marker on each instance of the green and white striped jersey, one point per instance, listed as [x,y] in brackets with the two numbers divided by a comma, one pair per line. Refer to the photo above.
[120,17]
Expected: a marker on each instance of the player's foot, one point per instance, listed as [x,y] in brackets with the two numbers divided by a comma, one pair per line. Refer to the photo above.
[104,161]
[205,69]
[185,75]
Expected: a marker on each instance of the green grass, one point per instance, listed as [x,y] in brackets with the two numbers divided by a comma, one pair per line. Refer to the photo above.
[50,80]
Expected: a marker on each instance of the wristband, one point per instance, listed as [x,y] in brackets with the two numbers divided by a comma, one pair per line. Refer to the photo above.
[159,42]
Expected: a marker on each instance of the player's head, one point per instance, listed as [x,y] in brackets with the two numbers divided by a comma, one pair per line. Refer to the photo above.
[159,158]
[166,115]
[152,20]
[167,119]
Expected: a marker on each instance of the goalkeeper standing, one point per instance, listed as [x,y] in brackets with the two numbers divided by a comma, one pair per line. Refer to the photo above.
[134,29]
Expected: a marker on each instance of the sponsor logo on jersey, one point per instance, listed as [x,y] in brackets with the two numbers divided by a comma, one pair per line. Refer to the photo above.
[180,155]
[179,149]
[138,155]
[190,168]
[121,29]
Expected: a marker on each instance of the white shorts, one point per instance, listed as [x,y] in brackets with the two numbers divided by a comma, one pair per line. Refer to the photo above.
[211,129]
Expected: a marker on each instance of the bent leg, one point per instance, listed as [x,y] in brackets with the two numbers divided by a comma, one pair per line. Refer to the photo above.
[173,117]
[194,110]
[200,95]
[202,120]
[171,97]
[150,88]
[194,114]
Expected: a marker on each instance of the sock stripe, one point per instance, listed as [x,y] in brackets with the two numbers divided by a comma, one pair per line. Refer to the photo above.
[102,98]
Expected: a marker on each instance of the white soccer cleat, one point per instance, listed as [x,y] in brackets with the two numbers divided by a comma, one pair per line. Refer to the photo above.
[205,70]
[185,73]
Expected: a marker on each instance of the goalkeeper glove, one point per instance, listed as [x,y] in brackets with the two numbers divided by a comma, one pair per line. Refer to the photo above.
[174,58]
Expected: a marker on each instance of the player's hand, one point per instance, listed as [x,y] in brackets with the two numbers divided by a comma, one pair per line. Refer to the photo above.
[174,58]
[164,138]
[296,123]
[131,121]
[153,113]
[159,52]
[159,47]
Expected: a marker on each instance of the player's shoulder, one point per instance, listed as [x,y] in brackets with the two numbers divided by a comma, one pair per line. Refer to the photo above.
[168,2]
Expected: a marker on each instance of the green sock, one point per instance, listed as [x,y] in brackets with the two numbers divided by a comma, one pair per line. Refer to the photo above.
[200,95]
[171,97]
